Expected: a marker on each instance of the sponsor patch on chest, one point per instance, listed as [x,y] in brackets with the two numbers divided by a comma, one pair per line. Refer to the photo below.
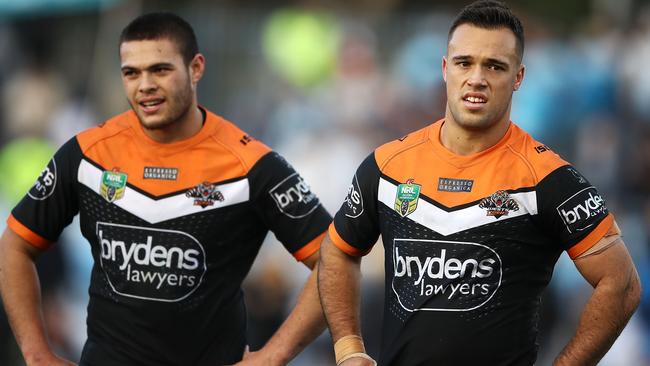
[160,173]
[455,185]
[434,275]
[150,264]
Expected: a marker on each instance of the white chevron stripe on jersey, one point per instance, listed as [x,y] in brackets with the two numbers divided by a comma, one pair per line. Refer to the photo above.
[155,211]
[447,223]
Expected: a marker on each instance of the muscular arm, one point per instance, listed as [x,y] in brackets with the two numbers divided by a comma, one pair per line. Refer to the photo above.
[338,286]
[302,326]
[20,290]
[616,295]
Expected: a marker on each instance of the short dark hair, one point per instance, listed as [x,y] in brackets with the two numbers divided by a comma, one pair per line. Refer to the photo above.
[155,26]
[490,14]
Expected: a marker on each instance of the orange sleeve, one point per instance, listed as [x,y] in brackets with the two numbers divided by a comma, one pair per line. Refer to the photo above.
[343,245]
[310,248]
[25,233]
[594,236]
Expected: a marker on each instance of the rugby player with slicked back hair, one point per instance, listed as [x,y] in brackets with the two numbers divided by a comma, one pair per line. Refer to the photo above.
[473,215]
[175,202]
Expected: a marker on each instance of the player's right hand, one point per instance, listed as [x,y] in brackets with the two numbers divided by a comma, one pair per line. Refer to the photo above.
[359,361]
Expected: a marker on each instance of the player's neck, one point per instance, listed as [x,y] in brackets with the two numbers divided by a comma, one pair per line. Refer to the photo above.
[185,127]
[463,141]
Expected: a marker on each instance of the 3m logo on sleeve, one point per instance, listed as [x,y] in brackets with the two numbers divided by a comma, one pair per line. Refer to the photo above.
[150,264]
[45,183]
[354,200]
[582,210]
[435,275]
[294,197]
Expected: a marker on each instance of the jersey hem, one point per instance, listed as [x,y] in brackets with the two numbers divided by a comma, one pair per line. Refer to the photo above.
[27,234]
[593,237]
[343,245]
[310,248]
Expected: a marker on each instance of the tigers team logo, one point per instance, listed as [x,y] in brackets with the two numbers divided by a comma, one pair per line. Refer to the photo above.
[205,194]
[406,200]
[113,185]
[499,204]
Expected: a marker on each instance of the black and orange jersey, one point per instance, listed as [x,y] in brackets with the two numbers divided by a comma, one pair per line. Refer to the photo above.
[470,243]
[174,229]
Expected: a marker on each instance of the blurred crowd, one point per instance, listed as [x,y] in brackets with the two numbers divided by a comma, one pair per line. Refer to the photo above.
[324,83]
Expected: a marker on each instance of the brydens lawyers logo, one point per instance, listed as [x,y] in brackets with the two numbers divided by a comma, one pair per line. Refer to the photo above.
[406,199]
[205,194]
[150,263]
[113,185]
[499,204]
[582,210]
[435,275]
[293,197]
[45,184]
[354,200]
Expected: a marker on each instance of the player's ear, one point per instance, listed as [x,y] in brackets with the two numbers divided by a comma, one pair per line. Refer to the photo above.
[197,67]
[519,78]
[444,68]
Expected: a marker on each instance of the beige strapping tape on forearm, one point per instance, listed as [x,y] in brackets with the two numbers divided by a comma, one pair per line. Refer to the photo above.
[348,347]
[360,355]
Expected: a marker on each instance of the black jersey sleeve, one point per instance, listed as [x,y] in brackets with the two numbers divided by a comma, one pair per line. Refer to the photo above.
[52,202]
[571,210]
[356,229]
[287,205]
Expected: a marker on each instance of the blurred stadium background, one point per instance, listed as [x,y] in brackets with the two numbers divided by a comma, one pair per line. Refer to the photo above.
[323,83]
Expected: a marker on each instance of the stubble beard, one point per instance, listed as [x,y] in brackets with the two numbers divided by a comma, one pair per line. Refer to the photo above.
[179,106]
[480,121]
[474,122]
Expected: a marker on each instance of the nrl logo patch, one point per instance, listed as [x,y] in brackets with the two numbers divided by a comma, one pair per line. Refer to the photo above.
[406,200]
[113,185]
[205,194]
[499,204]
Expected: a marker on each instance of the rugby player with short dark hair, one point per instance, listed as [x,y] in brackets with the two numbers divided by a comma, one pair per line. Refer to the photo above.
[473,215]
[175,202]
